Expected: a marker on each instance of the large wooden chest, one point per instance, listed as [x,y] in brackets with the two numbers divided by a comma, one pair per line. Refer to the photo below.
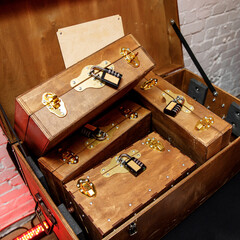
[58,107]
[31,55]
[120,194]
[124,124]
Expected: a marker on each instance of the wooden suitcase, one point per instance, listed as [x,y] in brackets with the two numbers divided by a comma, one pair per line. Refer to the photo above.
[31,55]
[121,123]
[58,107]
[197,139]
[118,195]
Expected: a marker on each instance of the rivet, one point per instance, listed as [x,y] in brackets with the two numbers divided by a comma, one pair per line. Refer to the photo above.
[238,114]
[167,176]
[208,107]
[87,176]
[169,150]
[83,215]
[171,185]
[107,138]
[74,82]
[150,190]
[133,151]
[143,143]
[130,204]
[109,219]
[191,107]
[79,88]
[214,99]
[117,127]
[107,174]
[103,169]
[91,146]
[113,124]
[223,105]
[90,203]
[87,142]
[187,173]
[183,164]
[106,62]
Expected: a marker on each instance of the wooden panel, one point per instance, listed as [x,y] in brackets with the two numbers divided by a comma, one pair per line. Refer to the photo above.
[201,144]
[61,229]
[121,133]
[30,53]
[122,195]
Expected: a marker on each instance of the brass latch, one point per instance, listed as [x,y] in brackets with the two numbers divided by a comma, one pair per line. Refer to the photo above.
[68,156]
[130,57]
[204,123]
[155,144]
[128,113]
[150,83]
[54,104]
[86,187]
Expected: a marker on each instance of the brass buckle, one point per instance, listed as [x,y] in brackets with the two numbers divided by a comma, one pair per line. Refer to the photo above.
[155,144]
[150,83]
[130,57]
[86,187]
[54,104]
[204,123]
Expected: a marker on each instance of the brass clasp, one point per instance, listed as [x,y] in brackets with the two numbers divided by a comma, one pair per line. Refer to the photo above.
[68,156]
[154,144]
[54,104]
[150,83]
[130,57]
[204,123]
[86,187]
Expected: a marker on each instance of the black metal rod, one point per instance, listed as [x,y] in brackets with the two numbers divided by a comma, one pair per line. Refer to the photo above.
[194,59]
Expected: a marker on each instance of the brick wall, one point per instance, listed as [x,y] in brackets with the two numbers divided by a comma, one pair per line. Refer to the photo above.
[212,29]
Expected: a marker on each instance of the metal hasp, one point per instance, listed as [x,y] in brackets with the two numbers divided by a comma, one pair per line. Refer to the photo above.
[150,83]
[54,104]
[204,123]
[86,187]
[128,113]
[132,229]
[130,57]
[194,59]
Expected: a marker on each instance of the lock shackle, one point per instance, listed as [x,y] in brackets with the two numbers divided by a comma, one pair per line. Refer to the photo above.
[93,68]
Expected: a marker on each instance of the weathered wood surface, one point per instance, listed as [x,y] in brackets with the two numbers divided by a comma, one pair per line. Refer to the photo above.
[121,132]
[122,195]
[201,145]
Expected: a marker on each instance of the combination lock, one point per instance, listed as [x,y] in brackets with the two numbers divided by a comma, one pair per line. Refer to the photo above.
[106,75]
[174,107]
[132,164]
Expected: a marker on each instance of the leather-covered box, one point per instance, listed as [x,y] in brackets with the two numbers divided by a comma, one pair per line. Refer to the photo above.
[56,108]
[113,194]
[123,124]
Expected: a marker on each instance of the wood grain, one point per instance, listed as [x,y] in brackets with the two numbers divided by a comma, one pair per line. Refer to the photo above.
[122,195]
[122,132]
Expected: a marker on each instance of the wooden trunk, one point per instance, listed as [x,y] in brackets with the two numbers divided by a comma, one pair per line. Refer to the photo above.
[33,120]
[31,55]
[119,194]
[181,130]
[121,131]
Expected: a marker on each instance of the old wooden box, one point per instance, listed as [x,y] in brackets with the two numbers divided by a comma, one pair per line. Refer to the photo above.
[119,194]
[124,124]
[31,55]
[79,97]
[183,130]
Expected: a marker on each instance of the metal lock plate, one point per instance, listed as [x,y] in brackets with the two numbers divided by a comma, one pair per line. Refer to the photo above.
[155,144]
[86,187]
[115,166]
[54,104]
[204,123]
[130,57]
[169,96]
[150,83]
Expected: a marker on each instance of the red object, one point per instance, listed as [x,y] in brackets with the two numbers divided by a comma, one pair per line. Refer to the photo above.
[16,201]
[34,233]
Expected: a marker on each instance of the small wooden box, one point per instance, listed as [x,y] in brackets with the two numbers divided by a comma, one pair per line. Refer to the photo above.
[119,194]
[121,131]
[181,130]
[34,121]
